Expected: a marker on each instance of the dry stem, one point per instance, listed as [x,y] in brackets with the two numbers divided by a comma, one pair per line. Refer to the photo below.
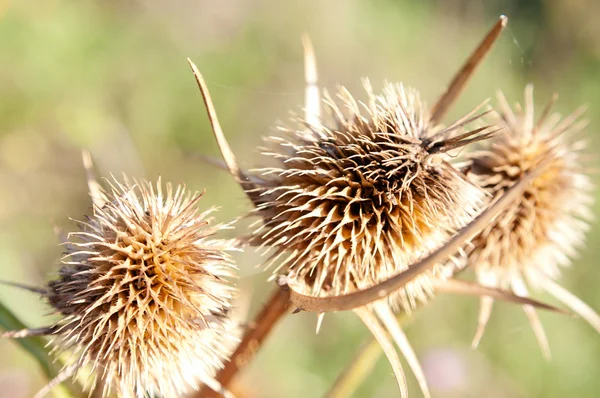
[271,313]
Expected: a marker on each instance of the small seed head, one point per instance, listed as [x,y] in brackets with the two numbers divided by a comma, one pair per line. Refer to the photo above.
[144,292]
[547,224]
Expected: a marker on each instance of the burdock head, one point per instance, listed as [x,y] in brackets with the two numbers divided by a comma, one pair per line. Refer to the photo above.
[144,292]
[530,240]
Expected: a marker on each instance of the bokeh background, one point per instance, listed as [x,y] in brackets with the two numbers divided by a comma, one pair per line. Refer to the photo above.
[111,76]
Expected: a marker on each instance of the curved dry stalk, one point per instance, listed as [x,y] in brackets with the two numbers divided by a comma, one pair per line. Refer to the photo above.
[272,312]
[374,326]
[443,104]
[224,147]
[361,298]
[390,322]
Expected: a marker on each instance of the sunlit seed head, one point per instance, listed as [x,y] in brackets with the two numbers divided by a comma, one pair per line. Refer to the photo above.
[547,224]
[145,293]
[529,242]
[360,196]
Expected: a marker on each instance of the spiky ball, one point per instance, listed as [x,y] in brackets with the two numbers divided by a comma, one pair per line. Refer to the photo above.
[356,199]
[144,292]
[538,234]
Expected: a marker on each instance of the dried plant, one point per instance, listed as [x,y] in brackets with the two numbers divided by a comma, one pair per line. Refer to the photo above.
[356,198]
[144,293]
[534,237]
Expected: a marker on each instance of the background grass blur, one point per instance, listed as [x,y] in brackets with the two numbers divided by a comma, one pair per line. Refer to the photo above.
[112,76]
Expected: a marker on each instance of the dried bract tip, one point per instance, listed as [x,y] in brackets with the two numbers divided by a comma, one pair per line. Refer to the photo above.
[544,227]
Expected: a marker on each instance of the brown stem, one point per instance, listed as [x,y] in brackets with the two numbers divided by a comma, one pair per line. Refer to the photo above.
[464,74]
[256,333]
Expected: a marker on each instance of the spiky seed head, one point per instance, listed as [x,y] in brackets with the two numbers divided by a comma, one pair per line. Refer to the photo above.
[357,198]
[548,223]
[144,292]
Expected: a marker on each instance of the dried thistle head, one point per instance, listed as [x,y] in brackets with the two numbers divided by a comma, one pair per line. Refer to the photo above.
[354,199]
[530,240]
[357,198]
[144,292]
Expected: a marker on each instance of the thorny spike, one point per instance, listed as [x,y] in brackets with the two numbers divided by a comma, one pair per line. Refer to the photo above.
[312,100]
[473,289]
[96,194]
[319,322]
[391,324]
[383,289]
[372,323]
[485,311]
[226,151]
[441,107]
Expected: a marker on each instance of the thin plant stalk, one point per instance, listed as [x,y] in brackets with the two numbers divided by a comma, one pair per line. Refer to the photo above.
[272,312]
[360,366]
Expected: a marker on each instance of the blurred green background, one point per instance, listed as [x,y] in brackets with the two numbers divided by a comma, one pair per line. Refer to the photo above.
[112,76]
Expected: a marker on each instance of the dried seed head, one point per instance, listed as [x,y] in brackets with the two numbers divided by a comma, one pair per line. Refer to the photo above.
[530,240]
[144,292]
[354,200]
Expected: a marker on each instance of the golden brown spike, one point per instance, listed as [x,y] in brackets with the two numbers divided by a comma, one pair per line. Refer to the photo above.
[441,107]
[486,304]
[363,297]
[224,147]
[312,98]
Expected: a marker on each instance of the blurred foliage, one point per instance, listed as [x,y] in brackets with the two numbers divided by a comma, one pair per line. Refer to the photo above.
[112,77]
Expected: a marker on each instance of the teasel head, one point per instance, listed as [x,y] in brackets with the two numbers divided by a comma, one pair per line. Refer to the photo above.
[356,197]
[144,293]
[534,238]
